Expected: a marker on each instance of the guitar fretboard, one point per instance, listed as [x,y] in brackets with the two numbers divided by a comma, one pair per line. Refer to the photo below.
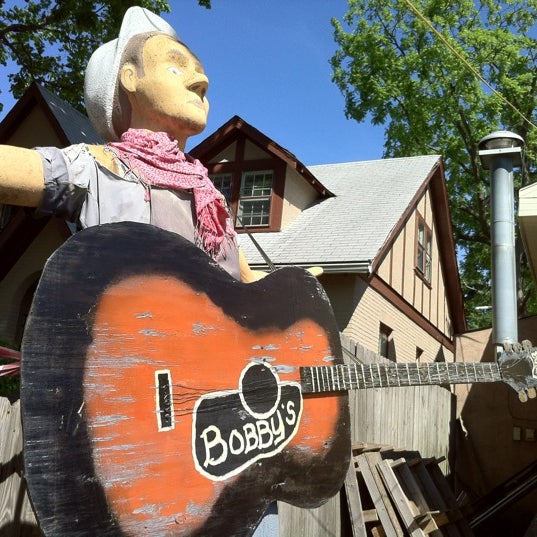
[360,376]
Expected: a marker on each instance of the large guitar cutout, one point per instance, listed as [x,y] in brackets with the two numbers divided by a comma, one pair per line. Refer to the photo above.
[162,397]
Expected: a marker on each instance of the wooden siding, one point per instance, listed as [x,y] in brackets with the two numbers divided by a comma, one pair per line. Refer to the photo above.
[359,309]
[16,515]
[398,270]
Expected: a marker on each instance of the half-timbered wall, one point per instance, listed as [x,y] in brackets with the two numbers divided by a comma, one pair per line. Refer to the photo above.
[399,270]
[297,193]
[360,309]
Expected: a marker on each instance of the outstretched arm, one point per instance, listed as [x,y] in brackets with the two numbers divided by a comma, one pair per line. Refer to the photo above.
[249,275]
[21,176]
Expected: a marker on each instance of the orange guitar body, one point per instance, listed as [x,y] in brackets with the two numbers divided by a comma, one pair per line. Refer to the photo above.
[170,393]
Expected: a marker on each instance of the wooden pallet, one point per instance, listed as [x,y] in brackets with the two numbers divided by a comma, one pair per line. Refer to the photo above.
[396,493]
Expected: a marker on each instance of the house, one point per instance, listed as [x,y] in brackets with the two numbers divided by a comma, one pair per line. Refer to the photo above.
[380,230]
[39,118]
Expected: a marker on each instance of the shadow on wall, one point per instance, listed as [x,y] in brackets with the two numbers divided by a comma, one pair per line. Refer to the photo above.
[497,435]
[345,292]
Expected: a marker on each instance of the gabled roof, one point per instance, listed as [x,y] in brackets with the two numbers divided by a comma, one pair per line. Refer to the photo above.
[71,126]
[348,231]
[235,127]
[353,230]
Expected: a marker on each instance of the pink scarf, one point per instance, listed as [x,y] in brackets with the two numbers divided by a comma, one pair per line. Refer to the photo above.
[158,161]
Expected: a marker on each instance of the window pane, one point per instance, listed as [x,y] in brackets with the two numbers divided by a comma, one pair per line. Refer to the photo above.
[254,212]
[424,250]
[256,184]
[222,181]
[384,341]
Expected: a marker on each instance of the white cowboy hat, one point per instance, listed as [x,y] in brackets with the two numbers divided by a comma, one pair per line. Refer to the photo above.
[103,67]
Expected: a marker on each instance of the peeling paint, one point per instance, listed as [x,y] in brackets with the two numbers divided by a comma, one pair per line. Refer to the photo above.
[201,329]
[151,332]
[148,509]
[144,315]
[269,347]
[281,368]
[262,359]
[103,421]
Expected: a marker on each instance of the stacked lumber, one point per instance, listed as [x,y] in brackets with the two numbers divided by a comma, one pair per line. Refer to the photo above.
[395,493]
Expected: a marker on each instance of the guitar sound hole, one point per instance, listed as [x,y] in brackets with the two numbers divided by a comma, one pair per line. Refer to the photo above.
[260,389]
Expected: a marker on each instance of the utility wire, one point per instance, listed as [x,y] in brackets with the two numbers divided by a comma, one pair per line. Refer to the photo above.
[472,69]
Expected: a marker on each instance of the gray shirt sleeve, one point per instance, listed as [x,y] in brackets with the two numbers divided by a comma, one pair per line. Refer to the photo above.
[65,186]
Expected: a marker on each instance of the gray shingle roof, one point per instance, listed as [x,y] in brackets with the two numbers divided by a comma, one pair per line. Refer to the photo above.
[350,228]
[76,126]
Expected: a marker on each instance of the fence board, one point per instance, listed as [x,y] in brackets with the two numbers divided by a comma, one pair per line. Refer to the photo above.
[16,516]
[417,417]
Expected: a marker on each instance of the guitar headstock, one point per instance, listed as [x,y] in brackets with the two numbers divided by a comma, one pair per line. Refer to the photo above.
[518,366]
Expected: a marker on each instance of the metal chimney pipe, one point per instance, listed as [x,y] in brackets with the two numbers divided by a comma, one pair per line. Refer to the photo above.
[499,153]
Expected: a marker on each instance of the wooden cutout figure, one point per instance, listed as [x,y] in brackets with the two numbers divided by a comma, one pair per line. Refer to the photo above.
[153,293]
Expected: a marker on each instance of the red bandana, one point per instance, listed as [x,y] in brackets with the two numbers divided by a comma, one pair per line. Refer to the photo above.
[158,161]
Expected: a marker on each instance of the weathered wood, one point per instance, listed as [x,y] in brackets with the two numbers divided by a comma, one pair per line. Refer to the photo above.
[162,382]
[379,495]
[446,492]
[396,417]
[447,516]
[415,495]
[323,521]
[16,516]
[354,503]
[406,509]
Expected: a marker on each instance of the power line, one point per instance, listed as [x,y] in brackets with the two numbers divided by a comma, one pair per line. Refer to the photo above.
[472,69]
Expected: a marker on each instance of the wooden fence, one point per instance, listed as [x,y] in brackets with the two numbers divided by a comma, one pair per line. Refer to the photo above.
[16,516]
[416,418]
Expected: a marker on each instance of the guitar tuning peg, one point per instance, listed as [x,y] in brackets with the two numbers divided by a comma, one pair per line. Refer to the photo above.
[522,396]
[532,393]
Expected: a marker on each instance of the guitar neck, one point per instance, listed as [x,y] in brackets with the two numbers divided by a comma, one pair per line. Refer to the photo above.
[357,376]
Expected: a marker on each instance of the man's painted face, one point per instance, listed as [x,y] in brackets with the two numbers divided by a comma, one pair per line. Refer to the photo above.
[170,95]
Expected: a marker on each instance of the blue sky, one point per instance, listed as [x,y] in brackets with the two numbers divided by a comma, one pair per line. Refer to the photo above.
[269,62]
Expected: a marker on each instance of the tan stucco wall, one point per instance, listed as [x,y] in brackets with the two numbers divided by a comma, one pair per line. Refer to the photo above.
[297,196]
[226,155]
[34,130]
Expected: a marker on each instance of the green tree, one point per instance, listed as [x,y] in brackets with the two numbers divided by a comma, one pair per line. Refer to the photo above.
[418,68]
[51,41]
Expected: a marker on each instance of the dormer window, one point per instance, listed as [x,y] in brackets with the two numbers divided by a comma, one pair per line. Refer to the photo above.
[222,181]
[254,195]
[254,200]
